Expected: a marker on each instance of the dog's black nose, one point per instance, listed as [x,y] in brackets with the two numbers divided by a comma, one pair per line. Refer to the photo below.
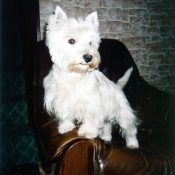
[87,58]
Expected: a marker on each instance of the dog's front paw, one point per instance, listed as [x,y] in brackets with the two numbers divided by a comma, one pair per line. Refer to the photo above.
[65,127]
[132,143]
[87,132]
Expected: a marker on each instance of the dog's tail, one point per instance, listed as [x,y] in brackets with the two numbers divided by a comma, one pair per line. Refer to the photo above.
[122,81]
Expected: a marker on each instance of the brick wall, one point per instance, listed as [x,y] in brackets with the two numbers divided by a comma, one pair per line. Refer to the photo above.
[146,27]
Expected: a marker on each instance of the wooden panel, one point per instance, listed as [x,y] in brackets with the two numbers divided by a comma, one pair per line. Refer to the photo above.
[78,160]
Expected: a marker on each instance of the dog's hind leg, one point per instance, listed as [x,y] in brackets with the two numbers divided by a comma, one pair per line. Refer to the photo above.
[129,134]
[128,128]
[128,122]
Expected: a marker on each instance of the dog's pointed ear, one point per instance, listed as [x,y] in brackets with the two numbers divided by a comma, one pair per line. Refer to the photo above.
[59,15]
[93,19]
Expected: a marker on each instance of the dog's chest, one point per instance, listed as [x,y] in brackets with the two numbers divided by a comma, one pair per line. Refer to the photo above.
[89,94]
[81,90]
[79,96]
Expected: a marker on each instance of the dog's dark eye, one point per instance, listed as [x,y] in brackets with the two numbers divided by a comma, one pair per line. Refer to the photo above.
[90,43]
[71,41]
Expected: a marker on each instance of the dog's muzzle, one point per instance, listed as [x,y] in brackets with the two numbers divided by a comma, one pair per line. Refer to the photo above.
[87,58]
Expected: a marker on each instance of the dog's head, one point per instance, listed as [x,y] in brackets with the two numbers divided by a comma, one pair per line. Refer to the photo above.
[73,44]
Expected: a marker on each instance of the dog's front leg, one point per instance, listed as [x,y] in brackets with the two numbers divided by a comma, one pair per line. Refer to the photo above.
[88,129]
[65,126]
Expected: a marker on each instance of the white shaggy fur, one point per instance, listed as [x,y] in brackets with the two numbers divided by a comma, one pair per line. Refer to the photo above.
[76,90]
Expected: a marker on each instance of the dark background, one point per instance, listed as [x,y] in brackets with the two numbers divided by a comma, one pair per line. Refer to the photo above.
[17,21]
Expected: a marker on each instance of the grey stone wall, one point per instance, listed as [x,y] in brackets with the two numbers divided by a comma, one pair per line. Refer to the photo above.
[146,27]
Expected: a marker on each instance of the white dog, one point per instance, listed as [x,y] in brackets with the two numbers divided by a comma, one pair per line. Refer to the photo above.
[76,90]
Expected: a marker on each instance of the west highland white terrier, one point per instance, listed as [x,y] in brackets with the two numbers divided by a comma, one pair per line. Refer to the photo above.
[76,90]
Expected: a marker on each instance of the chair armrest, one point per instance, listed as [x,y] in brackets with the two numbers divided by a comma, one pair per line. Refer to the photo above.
[78,159]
